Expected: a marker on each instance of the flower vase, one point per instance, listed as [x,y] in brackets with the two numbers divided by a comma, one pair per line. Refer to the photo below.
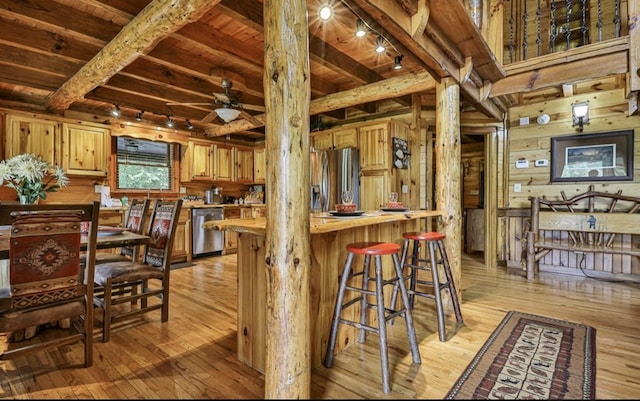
[24,200]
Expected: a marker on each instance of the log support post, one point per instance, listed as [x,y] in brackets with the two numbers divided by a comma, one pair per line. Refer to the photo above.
[288,247]
[448,186]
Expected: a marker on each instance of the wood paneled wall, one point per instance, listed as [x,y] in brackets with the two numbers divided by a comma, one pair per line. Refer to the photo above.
[608,111]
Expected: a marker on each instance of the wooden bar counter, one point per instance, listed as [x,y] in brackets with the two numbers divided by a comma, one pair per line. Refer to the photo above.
[329,237]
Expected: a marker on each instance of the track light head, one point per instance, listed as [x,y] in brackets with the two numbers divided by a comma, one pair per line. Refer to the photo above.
[139,115]
[189,125]
[169,122]
[361,29]
[380,48]
[115,111]
[398,62]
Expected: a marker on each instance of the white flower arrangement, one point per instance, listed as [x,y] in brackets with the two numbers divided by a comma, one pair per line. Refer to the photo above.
[32,177]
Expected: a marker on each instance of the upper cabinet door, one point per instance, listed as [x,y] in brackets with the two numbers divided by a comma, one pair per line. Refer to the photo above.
[84,150]
[244,165]
[201,160]
[374,147]
[345,138]
[259,166]
[224,163]
[32,135]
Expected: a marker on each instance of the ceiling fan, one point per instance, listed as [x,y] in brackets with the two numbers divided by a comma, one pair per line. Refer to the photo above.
[228,106]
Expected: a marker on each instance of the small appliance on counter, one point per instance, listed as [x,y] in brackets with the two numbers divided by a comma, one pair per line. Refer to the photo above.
[213,196]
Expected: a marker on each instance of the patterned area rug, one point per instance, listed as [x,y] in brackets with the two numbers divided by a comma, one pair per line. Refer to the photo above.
[532,357]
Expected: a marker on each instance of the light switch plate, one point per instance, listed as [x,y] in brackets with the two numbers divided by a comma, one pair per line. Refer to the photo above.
[522,163]
[97,189]
[517,187]
[541,163]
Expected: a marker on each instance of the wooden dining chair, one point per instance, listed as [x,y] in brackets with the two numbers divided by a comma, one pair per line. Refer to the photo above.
[136,222]
[155,267]
[47,281]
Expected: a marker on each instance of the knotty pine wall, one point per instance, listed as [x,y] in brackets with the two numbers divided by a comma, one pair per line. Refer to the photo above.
[608,111]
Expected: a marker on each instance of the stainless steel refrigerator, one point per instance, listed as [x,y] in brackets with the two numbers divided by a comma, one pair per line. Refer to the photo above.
[334,171]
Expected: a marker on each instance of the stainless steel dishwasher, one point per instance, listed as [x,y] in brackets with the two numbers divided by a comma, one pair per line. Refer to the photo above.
[206,241]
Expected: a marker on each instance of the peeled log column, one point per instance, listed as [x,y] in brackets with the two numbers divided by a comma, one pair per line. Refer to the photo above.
[288,250]
[448,178]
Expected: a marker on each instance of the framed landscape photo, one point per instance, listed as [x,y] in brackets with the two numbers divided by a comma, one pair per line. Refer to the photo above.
[592,157]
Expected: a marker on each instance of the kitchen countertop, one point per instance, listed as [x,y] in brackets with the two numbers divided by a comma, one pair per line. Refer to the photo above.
[321,222]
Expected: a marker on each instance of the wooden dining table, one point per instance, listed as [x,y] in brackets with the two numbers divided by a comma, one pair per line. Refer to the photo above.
[110,241]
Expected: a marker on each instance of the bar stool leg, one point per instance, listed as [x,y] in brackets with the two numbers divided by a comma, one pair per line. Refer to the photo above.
[328,358]
[364,304]
[450,282]
[436,291]
[382,328]
[408,315]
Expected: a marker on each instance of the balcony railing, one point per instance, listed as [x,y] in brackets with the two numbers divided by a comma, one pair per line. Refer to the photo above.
[533,28]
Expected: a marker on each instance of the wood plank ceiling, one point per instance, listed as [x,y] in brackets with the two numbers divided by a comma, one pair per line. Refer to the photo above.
[79,57]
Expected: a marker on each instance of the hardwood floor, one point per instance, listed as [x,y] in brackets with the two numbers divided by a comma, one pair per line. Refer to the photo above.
[193,354]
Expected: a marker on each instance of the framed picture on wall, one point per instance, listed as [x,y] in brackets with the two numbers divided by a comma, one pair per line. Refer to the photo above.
[604,156]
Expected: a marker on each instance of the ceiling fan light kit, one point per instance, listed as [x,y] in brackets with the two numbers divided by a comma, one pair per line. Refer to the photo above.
[228,114]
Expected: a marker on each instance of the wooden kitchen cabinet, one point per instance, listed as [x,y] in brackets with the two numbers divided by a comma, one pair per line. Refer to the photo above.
[336,139]
[196,161]
[181,251]
[258,211]
[244,165]
[85,149]
[259,166]
[224,162]
[231,237]
[202,161]
[32,135]
[375,151]
[375,184]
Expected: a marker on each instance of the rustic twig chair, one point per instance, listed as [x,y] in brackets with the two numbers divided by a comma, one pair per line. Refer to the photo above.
[47,281]
[154,266]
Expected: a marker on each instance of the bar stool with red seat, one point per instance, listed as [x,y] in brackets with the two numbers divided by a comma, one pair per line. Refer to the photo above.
[435,242]
[384,314]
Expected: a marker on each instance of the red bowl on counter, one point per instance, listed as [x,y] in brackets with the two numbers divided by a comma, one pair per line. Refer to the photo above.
[345,208]
[395,205]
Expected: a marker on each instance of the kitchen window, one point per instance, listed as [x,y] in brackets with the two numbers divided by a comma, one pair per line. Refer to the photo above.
[143,164]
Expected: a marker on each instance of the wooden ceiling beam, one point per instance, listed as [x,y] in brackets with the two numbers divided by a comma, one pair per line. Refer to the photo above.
[152,24]
[386,89]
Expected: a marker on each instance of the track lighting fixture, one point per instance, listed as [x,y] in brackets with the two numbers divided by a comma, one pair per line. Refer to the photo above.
[189,125]
[169,122]
[361,29]
[380,48]
[115,111]
[398,62]
[139,115]
[326,12]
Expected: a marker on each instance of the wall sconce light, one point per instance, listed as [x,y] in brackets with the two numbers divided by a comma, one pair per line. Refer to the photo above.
[361,30]
[169,122]
[580,113]
[189,125]
[228,114]
[398,62]
[380,45]
[116,111]
[139,115]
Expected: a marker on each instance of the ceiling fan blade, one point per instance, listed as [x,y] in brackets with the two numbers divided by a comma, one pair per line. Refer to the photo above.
[250,118]
[189,104]
[209,117]
[253,107]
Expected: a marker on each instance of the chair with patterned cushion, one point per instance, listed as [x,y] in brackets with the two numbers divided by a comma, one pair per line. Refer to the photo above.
[47,281]
[155,267]
[136,221]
